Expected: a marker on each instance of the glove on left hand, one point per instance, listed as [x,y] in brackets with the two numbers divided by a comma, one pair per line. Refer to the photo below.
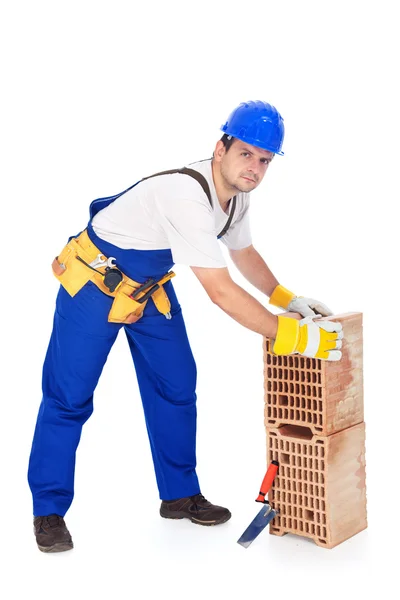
[307,307]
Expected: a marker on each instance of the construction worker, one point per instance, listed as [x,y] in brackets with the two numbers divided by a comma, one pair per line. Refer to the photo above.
[116,274]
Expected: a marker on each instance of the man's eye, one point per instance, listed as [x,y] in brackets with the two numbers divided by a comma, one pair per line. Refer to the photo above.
[245,154]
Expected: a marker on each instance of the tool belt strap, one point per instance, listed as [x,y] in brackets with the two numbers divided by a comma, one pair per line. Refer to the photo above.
[73,274]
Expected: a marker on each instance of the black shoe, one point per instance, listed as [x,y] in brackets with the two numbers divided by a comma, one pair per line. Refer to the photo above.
[52,534]
[196,508]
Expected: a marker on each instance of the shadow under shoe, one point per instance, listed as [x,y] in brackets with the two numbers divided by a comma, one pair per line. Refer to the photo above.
[52,534]
[196,508]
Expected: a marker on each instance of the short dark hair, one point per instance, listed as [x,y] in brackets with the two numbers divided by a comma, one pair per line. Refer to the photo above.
[227,141]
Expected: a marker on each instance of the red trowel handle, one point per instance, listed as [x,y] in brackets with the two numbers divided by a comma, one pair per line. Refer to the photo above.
[267,481]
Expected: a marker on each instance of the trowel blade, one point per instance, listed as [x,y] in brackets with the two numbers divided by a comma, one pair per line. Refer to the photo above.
[257,525]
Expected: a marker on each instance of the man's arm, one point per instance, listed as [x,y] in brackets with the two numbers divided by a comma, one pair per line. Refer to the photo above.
[253,267]
[236,302]
[255,270]
[320,340]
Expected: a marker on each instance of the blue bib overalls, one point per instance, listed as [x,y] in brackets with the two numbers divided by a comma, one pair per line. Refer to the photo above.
[79,345]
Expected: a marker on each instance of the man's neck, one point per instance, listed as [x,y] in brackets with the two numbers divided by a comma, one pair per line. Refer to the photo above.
[224,194]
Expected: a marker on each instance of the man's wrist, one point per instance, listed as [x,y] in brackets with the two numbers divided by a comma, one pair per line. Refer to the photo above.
[281,297]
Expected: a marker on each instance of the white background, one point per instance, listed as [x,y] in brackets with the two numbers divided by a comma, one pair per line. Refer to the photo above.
[96,95]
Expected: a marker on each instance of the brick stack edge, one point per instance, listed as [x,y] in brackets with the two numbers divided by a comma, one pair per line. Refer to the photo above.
[314,419]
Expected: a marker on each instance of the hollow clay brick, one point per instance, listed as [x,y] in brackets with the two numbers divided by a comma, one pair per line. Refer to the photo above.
[320,489]
[325,396]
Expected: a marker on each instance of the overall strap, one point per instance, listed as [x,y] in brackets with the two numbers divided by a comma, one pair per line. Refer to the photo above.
[192,173]
[206,188]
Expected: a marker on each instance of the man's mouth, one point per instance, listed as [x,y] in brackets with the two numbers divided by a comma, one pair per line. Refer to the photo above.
[248,179]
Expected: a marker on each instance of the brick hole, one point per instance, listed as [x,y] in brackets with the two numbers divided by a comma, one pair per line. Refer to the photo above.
[322,541]
[285,459]
[309,515]
[296,431]
[283,400]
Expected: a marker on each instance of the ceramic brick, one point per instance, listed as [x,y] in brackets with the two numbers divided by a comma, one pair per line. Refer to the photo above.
[325,396]
[320,488]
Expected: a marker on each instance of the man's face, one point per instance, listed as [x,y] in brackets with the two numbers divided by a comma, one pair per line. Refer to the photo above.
[243,166]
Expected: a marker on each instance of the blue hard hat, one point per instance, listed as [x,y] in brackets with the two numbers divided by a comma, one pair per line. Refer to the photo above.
[257,123]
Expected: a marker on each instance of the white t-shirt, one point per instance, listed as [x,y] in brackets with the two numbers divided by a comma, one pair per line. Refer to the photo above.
[173,211]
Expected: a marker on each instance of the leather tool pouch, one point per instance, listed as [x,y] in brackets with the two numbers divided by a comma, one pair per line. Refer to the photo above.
[125,309]
[73,275]
[70,272]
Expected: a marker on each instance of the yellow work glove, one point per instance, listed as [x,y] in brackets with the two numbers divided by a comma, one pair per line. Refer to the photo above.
[316,339]
[307,307]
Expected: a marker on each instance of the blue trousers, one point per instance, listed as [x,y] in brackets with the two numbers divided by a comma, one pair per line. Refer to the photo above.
[79,345]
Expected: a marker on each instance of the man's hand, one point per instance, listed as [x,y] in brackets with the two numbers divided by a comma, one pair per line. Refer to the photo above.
[307,307]
[316,339]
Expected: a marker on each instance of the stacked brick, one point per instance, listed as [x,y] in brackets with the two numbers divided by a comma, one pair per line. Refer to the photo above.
[314,418]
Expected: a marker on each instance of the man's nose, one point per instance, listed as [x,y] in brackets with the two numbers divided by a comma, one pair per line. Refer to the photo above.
[254,166]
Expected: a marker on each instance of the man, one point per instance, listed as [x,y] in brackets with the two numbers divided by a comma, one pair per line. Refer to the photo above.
[116,274]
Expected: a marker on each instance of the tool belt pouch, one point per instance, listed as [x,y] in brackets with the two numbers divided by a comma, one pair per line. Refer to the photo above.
[125,309]
[70,272]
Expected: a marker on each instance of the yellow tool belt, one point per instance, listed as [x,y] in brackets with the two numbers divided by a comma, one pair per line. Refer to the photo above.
[73,274]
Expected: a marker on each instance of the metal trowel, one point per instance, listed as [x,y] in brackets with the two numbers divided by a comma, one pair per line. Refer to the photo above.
[266,514]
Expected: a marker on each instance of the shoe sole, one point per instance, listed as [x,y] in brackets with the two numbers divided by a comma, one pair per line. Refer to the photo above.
[62,547]
[197,521]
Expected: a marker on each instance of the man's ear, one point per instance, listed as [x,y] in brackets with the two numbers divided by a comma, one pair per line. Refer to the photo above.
[219,151]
